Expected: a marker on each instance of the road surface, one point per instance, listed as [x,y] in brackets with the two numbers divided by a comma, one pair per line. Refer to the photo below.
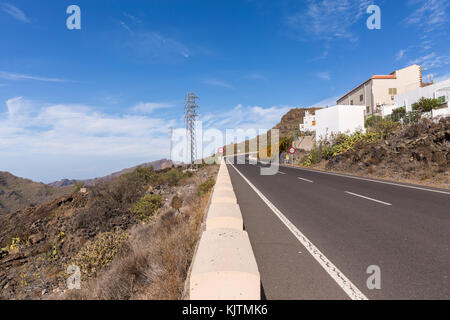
[315,235]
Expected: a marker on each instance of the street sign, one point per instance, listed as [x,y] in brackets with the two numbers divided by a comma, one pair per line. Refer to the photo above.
[220,150]
[287,157]
[291,150]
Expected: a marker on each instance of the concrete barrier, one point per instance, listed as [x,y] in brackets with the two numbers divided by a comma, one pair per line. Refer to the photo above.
[224,266]
[224,215]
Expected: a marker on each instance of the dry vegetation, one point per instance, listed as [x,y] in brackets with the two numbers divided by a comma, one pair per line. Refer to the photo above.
[416,153]
[132,237]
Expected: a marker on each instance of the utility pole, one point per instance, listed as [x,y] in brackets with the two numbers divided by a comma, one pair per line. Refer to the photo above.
[190,109]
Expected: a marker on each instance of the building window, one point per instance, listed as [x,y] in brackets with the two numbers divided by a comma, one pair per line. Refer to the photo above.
[392,91]
[361,97]
[351,102]
[367,109]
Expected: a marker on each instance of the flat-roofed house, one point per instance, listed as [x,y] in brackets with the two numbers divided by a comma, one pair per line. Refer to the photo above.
[380,90]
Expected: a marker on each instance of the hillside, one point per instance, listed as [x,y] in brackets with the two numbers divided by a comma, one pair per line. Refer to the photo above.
[132,237]
[289,124]
[157,165]
[288,127]
[416,153]
[17,193]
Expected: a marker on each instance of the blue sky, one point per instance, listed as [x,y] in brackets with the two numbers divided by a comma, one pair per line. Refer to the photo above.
[84,103]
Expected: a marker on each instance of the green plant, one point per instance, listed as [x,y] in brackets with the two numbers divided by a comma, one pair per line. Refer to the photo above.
[398,114]
[372,121]
[77,186]
[312,157]
[425,104]
[147,206]
[206,186]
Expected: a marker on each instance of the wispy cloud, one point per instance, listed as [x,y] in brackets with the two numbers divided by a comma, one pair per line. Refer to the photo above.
[151,44]
[132,17]
[432,61]
[149,107]
[126,27]
[17,76]
[327,19]
[245,117]
[323,75]
[429,15]
[218,83]
[14,12]
[400,54]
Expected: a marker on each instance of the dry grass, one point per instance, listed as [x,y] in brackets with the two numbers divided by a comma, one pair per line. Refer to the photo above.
[154,261]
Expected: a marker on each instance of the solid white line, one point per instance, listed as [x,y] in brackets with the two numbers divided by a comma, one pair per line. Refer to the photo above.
[358,195]
[371,180]
[305,180]
[349,288]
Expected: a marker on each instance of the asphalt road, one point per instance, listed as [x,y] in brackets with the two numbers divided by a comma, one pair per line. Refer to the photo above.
[336,226]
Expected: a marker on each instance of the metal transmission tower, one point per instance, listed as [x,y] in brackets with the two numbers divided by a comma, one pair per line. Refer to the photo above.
[190,109]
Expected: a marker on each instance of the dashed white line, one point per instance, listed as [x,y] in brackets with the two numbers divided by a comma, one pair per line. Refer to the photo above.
[371,180]
[281,172]
[372,199]
[305,180]
[349,288]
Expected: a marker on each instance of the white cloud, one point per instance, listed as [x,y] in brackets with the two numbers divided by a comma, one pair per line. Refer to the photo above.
[126,27]
[430,15]
[217,83]
[240,117]
[14,12]
[323,75]
[149,107]
[400,54]
[28,128]
[16,76]
[327,19]
[432,61]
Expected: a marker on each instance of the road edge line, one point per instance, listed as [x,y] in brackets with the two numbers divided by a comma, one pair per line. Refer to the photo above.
[343,282]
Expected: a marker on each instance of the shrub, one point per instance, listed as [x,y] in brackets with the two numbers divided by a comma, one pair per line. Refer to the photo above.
[177,203]
[426,105]
[398,113]
[147,206]
[312,157]
[77,186]
[97,254]
[206,186]
[372,121]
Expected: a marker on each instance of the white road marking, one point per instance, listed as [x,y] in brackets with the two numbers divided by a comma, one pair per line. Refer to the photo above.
[349,288]
[305,180]
[281,172]
[372,199]
[371,180]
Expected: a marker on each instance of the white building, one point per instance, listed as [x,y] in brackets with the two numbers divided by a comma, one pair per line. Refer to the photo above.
[339,119]
[309,122]
[440,90]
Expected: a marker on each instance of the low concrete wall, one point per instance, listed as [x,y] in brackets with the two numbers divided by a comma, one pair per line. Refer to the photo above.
[224,266]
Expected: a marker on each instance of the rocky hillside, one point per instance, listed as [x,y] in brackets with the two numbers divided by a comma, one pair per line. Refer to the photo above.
[131,237]
[156,165]
[17,193]
[289,123]
[418,152]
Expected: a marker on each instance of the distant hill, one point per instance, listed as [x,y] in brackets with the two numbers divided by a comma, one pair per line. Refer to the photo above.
[288,128]
[18,193]
[157,165]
